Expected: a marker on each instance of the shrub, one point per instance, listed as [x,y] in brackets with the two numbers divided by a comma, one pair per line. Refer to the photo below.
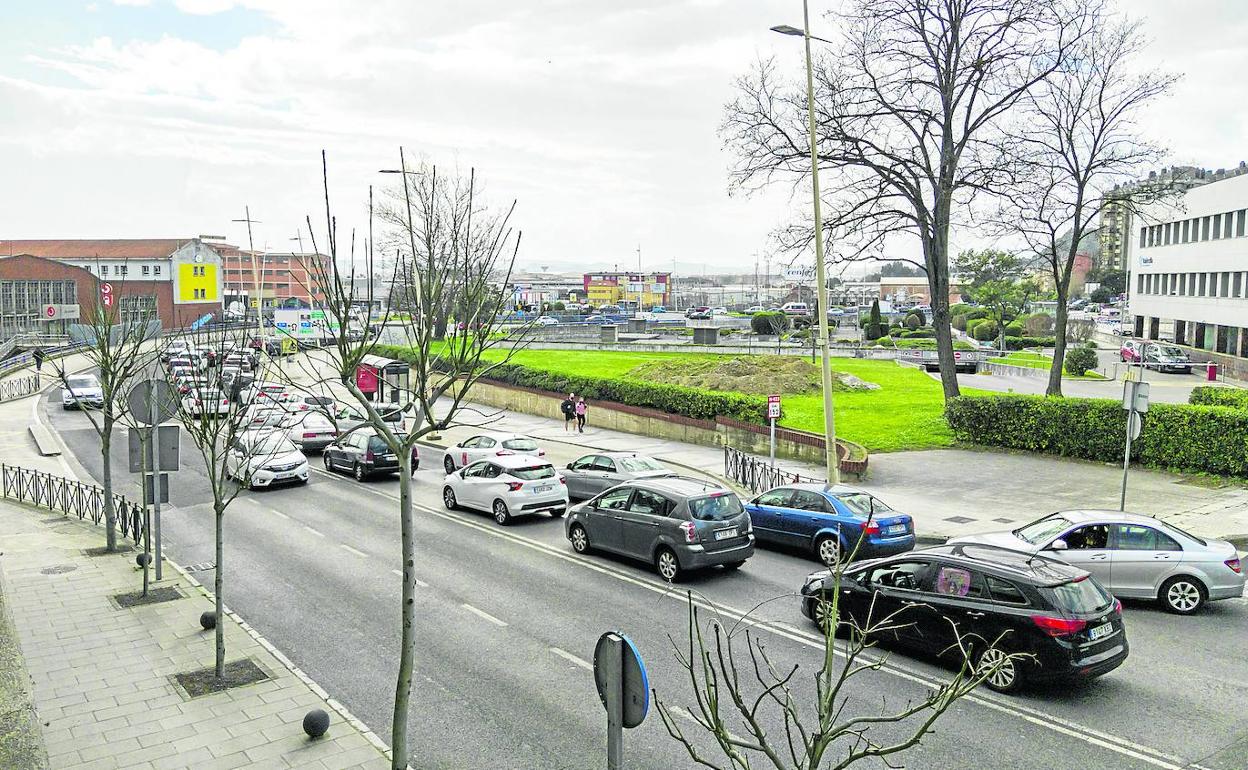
[978,312]
[919,333]
[769,323]
[960,308]
[1018,343]
[985,330]
[1037,324]
[1014,329]
[959,322]
[1079,360]
[911,321]
[1206,395]
[919,315]
[559,307]
[1184,437]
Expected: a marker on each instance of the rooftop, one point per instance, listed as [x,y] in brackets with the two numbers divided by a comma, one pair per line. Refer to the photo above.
[95,248]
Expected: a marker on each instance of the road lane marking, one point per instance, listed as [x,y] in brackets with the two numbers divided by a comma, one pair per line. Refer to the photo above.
[572,658]
[277,513]
[418,581]
[316,532]
[1034,716]
[484,615]
[355,551]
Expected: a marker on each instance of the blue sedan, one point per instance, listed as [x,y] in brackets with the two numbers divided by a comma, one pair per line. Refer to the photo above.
[830,521]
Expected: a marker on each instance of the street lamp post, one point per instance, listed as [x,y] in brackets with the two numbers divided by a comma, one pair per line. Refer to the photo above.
[829,418]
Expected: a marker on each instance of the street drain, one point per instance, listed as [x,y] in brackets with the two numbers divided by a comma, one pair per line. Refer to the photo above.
[59,569]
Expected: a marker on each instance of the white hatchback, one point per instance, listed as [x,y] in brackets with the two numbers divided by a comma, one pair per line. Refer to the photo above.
[485,445]
[265,458]
[507,486]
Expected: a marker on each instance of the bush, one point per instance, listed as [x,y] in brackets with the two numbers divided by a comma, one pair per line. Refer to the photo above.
[912,321]
[960,309]
[1202,439]
[1079,360]
[769,323]
[920,344]
[1014,329]
[919,333]
[985,330]
[1207,395]
[978,312]
[559,307]
[1018,343]
[1037,324]
[959,322]
[919,315]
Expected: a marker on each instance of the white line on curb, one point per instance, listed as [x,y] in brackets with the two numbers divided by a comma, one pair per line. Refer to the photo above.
[570,657]
[484,615]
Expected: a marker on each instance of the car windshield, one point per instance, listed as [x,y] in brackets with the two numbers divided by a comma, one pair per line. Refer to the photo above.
[533,472]
[319,400]
[717,507]
[1169,351]
[1080,596]
[272,445]
[640,464]
[1040,531]
[83,382]
[863,504]
[520,444]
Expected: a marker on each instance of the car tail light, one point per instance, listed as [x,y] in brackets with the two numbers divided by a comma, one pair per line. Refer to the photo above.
[563,481]
[1234,565]
[514,486]
[503,452]
[1118,606]
[368,455]
[541,453]
[1058,626]
[871,528]
[691,531]
[307,434]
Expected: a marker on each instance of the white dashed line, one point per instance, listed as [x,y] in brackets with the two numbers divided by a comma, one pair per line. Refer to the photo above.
[570,657]
[355,551]
[484,615]
[419,582]
[318,533]
[278,513]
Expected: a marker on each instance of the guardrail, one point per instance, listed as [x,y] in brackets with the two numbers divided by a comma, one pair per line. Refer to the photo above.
[759,475]
[70,497]
[17,387]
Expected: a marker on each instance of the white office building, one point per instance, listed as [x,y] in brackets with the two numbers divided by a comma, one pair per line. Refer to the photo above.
[1188,262]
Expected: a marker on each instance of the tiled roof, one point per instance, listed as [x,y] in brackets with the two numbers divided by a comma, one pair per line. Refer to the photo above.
[91,248]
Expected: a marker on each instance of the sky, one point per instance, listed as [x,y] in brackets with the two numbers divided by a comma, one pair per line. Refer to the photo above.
[166,118]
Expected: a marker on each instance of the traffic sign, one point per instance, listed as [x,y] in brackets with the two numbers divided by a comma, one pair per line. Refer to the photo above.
[1135,396]
[141,397]
[624,689]
[773,407]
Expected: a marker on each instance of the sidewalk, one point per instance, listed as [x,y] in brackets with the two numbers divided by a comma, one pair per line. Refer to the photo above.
[100,675]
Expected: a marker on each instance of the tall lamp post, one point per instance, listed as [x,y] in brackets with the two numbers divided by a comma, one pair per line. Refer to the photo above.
[821,275]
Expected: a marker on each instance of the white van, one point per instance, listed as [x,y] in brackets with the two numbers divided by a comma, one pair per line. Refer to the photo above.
[795,308]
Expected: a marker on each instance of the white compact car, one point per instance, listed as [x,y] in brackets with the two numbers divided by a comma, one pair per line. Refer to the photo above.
[485,445]
[507,486]
[310,431]
[200,402]
[265,458]
[546,321]
[82,390]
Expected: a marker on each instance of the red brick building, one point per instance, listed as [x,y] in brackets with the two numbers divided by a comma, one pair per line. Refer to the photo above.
[40,296]
[283,277]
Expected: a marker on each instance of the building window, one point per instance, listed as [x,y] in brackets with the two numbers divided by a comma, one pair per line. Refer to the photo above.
[1204,228]
[1165,234]
[1226,285]
[1217,226]
[1139,284]
[1239,222]
[1239,285]
[1228,222]
[1203,278]
[122,270]
[146,270]
[103,269]
[156,269]
[1187,231]
[1143,236]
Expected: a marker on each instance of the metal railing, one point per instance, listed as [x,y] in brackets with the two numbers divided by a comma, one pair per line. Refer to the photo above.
[70,497]
[759,475]
[17,387]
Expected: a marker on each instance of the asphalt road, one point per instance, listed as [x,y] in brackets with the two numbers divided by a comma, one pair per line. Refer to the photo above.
[507,618]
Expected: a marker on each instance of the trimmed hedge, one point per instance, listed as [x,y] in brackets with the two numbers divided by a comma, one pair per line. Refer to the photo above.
[673,399]
[1201,439]
[1207,395]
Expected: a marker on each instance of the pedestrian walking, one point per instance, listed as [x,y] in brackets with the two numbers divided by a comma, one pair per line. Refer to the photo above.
[39,355]
[568,407]
[581,406]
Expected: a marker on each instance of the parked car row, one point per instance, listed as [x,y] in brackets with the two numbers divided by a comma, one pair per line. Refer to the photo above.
[1161,356]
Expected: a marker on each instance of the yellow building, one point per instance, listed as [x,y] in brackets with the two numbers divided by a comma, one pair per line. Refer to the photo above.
[645,290]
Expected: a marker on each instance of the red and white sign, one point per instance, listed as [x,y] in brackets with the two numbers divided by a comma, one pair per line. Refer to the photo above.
[106,294]
[49,311]
[773,407]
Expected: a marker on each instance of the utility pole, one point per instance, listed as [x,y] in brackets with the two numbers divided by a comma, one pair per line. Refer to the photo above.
[255,272]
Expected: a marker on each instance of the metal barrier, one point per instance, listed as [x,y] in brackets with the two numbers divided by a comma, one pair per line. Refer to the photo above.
[18,387]
[759,475]
[69,497]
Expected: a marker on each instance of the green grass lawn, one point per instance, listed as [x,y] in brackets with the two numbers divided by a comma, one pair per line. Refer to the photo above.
[907,412]
[1040,361]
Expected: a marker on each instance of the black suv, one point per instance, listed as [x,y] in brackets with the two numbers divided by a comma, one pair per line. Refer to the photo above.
[1057,614]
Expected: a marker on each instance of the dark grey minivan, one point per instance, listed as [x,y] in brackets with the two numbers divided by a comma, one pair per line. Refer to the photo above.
[675,523]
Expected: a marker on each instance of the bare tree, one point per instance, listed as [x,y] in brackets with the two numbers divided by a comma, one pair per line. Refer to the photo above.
[910,107]
[756,708]
[453,253]
[1080,152]
[119,347]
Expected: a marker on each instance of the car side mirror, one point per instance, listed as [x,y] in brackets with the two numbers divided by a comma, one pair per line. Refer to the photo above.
[569,466]
[1058,545]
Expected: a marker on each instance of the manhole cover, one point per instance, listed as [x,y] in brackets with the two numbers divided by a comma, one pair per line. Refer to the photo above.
[59,569]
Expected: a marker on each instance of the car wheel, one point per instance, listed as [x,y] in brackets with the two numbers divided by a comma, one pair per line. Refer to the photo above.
[358,472]
[828,550]
[1005,674]
[501,514]
[448,464]
[822,611]
[733,565]
[579,538]
[329,465]
[1182,595]
[448,499]
[668,565]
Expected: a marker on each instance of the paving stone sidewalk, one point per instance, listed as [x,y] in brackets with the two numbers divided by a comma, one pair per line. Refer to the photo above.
[100,675]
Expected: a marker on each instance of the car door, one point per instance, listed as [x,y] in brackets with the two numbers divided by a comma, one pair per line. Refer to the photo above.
[603,475]
[474,448]
[603,521]
[765,514]
[575,475]
[810,512]
[1087,547]
[961,606]
[896,599]
[1141,558]
[474,484]
[641,521]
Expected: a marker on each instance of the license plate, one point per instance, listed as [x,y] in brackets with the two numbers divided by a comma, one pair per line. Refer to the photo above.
[1100,631]
[282,475]
[724,534]
[541,489]
[896,529]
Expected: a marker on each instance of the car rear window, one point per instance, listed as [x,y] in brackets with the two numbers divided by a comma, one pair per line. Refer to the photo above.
[377,444]
[1080,596]
[640,464]
[717,507]
[520,444]
[863,504]
[533,472]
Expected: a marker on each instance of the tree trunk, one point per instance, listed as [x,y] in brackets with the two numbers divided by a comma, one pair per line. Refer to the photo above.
[218,584]
[1059,351]
[937,259]
[110,512]
[403,687]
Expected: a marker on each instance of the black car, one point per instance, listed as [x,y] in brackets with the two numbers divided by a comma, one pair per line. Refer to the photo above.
[1000,601]
[364,454]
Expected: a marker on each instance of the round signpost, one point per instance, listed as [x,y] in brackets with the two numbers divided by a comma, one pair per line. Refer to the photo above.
[152,402]
[623,687]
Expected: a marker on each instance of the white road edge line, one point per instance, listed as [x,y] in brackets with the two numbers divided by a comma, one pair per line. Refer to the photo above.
[484,615]
[572,658]
[316,532]
[1037,717]
[355,551]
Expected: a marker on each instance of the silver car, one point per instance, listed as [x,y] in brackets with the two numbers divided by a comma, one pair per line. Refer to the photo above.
[1135,557]
[594,473]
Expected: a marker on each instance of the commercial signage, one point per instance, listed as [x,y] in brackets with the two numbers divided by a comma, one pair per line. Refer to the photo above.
[799,274]
[106,294]
[59,313]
